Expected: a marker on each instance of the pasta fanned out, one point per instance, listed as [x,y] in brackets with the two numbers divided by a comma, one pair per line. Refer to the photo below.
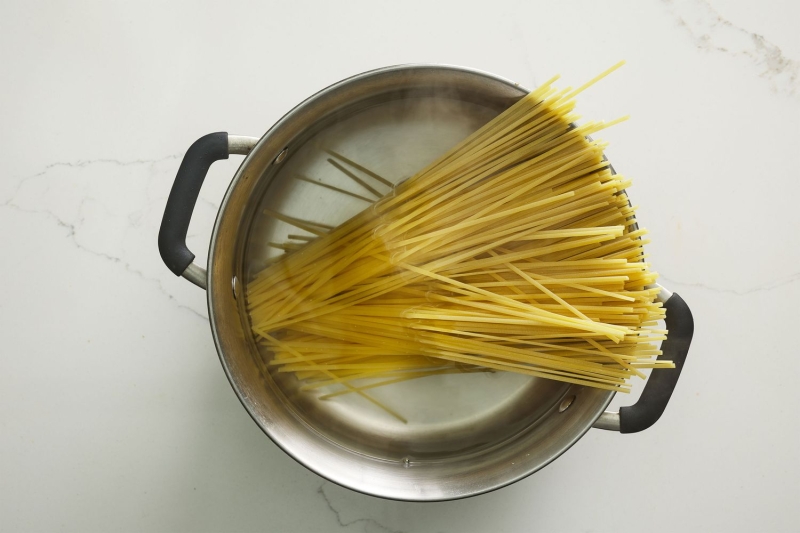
[516,251]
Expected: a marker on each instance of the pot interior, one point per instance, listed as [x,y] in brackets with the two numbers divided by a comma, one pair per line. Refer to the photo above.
[446,414]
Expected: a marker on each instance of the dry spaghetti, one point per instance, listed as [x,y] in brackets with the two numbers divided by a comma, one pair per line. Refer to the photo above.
[515,251]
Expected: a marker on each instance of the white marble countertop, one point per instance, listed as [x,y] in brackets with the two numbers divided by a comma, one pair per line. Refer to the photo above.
[114,412]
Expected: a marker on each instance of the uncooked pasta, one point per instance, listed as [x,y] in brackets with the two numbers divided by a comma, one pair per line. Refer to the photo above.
[516,251]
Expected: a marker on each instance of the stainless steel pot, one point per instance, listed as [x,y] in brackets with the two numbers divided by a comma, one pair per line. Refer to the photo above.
[468,434]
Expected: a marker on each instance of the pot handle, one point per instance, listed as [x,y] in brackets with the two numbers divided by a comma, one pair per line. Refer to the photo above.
[662,382]
[183,197]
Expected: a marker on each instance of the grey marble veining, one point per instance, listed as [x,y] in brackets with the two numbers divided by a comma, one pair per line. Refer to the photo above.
[711,31]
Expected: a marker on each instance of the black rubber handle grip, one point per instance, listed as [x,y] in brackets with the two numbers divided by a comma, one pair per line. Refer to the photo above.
[183,197]
[661,382]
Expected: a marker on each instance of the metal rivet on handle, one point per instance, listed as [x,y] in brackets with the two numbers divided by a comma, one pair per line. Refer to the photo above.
[235,287]
[566,402]
[281,156]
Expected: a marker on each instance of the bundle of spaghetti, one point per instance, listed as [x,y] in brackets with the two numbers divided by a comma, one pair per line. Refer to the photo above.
[516,251]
